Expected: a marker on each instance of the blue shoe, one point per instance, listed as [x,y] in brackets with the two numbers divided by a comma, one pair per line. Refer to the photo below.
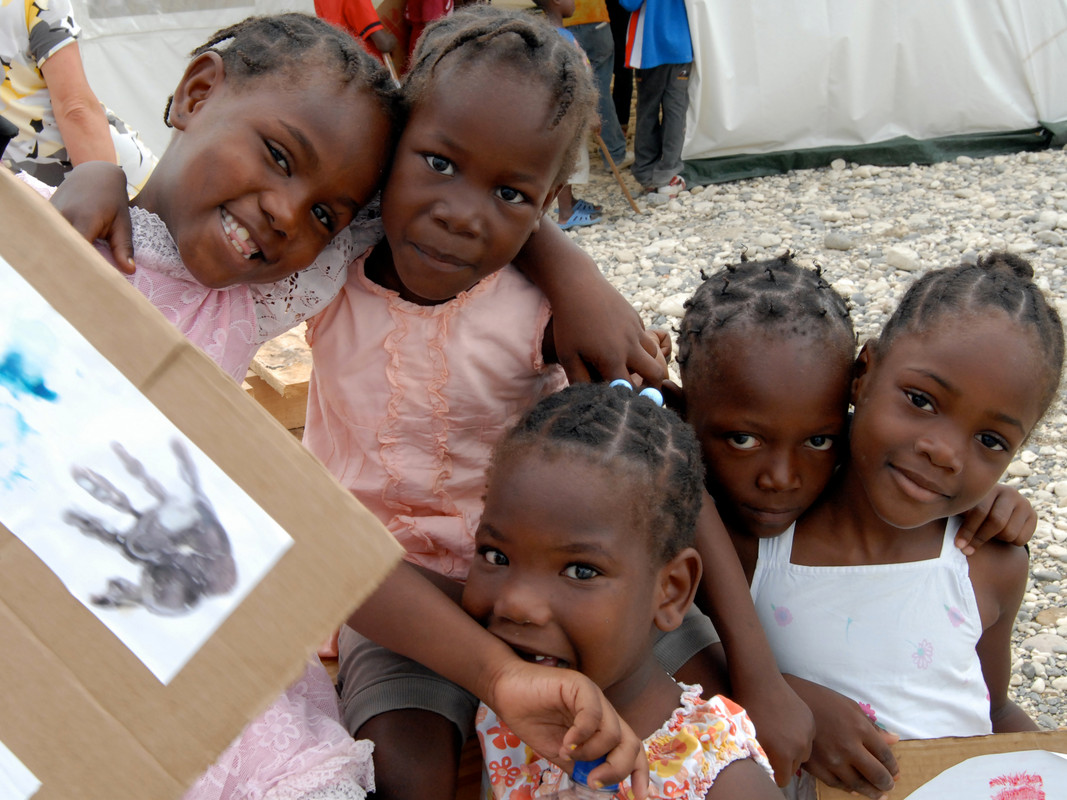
[579,218]
[591,209]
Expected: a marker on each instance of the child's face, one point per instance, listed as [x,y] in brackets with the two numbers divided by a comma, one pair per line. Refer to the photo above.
[474,171]
[265,172]
[770,412]
[940,413]
[562,573]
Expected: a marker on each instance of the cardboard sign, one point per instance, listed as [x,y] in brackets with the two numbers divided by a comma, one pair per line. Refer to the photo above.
[83,712]
[923,760]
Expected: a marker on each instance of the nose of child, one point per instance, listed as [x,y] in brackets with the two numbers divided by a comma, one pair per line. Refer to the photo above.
[459,212]
[520,603]
[779,474]
[942,449]
[284,211]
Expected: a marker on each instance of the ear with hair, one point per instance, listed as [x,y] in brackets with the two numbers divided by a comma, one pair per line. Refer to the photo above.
[861,369]
[550,198]
[204,75]
[676,589]
[673,397]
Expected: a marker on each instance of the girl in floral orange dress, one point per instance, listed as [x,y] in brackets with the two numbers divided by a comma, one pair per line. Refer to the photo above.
[584,552]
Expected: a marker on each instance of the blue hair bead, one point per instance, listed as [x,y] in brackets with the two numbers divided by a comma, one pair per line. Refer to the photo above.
[653,394]
[623,383]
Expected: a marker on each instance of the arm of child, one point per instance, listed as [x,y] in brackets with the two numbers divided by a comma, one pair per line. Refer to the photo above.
[597,333]
[1002,514]
[850,752]
[560,713]
[743,778]
[784,724]
[999,573]
[93,199]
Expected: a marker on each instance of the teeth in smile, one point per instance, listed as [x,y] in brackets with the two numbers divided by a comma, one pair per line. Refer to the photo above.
[238,235]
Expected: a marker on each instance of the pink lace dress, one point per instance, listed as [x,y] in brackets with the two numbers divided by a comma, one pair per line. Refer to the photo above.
[296,750]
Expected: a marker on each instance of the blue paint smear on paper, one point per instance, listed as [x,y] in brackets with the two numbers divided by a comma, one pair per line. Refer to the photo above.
[21,382]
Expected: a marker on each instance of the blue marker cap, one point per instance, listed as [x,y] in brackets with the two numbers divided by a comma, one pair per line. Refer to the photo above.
[582,770]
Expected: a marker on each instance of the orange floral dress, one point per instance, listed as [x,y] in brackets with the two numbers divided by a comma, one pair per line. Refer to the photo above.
[685,755]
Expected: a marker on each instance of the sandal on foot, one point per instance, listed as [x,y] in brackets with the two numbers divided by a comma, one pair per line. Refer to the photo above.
[578,219]
[592,209]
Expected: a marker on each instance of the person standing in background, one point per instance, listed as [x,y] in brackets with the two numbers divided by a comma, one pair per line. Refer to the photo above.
[591,28]
[359,18]
[46,95]
[622,90]
[660,48]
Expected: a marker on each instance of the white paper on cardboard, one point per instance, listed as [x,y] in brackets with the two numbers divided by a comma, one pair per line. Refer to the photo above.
[1021,775]
[16,782]
[141,527]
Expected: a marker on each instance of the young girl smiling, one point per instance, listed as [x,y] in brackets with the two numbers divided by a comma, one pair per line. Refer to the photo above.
[585,552]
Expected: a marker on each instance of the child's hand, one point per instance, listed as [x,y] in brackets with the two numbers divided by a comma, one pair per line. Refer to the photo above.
[563,716]
[784,726]
[1002,514]
[598,335]
[93,199]
[657,343]
[850,752]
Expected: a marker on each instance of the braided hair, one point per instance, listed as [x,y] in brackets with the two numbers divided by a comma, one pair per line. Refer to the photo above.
[502,38]
[999,280]
[615,428]
[298,45]
[772,293]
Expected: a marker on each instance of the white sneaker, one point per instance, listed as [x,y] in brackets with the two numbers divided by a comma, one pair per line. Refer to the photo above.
[674,188]
[627,160]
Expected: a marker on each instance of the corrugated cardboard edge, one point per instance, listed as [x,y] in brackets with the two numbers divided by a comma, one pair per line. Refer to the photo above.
[64,675]
[921,760]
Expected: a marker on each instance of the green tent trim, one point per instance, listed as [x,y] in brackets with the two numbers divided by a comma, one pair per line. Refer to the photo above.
[902,150]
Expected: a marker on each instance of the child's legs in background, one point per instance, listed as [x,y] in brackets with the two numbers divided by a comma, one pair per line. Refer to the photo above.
[648,128]
[595,39]
[622,91]
[674,104]
[417,719]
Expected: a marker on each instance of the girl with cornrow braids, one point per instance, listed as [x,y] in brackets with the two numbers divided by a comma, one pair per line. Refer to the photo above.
[766,350]
[240,204]
[585,555]
[866,595]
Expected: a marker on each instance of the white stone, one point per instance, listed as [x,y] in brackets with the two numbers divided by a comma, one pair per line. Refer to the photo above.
[1038,686]
[1028,456]
[1018,469]
[673,306]
[903,258]
[838,164]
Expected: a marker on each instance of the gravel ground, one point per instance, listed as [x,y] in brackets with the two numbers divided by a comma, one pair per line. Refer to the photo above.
[873,229]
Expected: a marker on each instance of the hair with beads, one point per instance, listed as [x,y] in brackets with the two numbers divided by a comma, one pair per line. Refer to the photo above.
[999,280]
[500,38]
[634,439]
[301,46]
[776,293]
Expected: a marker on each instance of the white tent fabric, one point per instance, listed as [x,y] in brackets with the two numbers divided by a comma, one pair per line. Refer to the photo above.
[772,75]
[135,51]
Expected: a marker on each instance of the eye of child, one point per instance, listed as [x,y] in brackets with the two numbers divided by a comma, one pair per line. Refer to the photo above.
[992,441]
[820,442]
[742,441]
[323,215]
[919,400]
[494,557]
[509,195]
[439,164]
[581,572]
[279,157]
